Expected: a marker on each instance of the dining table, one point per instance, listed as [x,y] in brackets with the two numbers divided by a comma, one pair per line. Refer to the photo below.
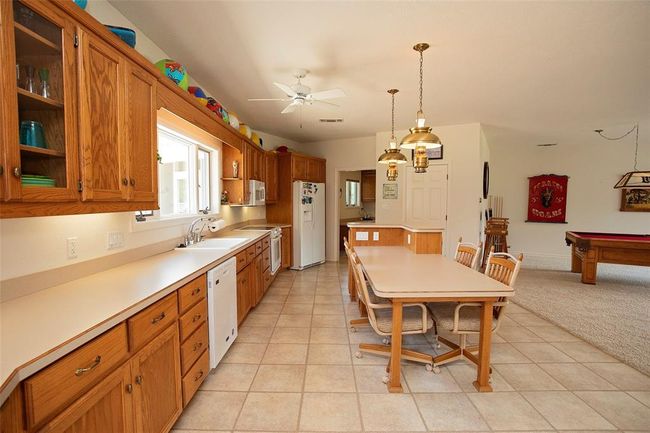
[402,276]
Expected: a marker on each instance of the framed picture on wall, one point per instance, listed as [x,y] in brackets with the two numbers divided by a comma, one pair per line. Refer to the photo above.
[635,200]
[431,153]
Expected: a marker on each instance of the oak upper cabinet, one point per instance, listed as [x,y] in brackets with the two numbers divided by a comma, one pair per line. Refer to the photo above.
[141,137]
[107,407]
[156,370]
[271,163]
[36,42]
[101,128]
[316,170]
[299,167]
[368,187]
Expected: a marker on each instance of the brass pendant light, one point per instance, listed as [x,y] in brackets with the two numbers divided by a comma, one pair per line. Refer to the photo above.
[632,179]
[392,156]
[420,137]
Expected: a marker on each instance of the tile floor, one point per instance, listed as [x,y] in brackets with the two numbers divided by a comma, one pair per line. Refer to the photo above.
[293,369]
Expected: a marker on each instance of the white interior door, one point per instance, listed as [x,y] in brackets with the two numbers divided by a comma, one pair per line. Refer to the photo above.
[426,197]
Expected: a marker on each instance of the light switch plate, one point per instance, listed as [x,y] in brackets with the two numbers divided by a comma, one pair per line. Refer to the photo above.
[361,236]
[375,236]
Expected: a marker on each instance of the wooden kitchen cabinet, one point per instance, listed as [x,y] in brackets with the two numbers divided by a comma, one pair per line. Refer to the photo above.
[286,247]
[141,134]
[107,407]
[257,280]
[101,127]
[299,167]
[156,371]
[271,183]
[368,187]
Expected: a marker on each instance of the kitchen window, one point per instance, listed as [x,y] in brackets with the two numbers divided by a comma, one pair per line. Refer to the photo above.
[352,193]
[187,182]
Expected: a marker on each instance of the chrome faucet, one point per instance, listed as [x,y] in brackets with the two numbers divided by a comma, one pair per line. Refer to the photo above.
[194,236]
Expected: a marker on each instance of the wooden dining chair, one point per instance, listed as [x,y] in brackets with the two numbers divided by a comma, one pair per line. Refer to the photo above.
[467,254]
[464,318]
[415,320]
[353,288]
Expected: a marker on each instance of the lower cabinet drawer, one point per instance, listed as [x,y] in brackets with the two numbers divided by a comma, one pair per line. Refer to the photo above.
[195,377]
[151,321]
[242,260]
[51,389]
[266,258]
[192,292]
[191,320]
[192,347]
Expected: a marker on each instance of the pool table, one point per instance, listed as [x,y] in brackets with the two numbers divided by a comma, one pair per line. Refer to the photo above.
[588,249]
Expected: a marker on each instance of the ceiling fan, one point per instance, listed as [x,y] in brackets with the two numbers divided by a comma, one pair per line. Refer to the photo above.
[299,94]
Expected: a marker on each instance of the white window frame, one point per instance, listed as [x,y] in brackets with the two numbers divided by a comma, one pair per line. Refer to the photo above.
[348,203]
[156,220]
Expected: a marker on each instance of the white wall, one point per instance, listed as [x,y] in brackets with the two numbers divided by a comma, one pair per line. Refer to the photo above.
[593,165]
[342,155]
[461,153]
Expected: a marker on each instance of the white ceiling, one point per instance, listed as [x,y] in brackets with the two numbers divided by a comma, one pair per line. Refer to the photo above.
[530,71]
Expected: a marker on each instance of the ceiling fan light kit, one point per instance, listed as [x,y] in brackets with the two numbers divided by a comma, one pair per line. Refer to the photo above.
[420,137]
[392,156]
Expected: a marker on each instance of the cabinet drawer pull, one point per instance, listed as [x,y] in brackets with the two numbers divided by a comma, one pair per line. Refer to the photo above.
[17,171]
[196,317]
[158,318]
[138,379]
[198,376]
[196,291]
[132,182]
[129,388]
[80,371]
[125,181]
[197,346]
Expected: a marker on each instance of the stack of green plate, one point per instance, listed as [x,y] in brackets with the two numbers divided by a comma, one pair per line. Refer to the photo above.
[37,180]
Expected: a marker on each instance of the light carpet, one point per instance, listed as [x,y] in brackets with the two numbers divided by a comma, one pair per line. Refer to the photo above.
[614,314]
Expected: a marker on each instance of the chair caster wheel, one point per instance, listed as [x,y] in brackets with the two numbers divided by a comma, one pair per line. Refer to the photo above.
[353,329]
[438,346]
[490,379]
[385,379]
[386,341]
[358,355]
[428,367]
[434,368]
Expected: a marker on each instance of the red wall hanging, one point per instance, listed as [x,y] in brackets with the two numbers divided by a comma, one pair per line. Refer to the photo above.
[547,198]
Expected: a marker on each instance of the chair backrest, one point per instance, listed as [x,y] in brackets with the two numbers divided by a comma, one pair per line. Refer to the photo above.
[503,267]
[467,253]
[362,291]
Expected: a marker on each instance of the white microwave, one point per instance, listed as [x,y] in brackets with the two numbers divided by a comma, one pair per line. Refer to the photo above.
[257,193]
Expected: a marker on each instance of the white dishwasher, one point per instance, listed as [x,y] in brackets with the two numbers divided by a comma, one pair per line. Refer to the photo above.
[222,309]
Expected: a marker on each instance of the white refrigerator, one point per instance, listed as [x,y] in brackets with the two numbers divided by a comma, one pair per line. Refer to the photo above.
[308,224]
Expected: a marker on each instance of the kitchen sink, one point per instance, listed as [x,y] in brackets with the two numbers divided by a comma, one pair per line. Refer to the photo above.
[217,244]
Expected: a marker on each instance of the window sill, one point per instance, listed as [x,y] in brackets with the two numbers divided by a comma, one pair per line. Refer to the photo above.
[154,223]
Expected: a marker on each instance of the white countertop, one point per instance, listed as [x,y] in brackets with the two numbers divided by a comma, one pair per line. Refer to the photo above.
[397,272]
[38,329]
[374,225]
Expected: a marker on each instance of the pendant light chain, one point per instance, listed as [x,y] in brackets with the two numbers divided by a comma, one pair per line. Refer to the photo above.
[421,74]
[636,139]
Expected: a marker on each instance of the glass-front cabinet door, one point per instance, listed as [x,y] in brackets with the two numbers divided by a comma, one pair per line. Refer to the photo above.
[40,160]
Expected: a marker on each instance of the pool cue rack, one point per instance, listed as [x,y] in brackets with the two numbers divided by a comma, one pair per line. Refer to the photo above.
[496,232]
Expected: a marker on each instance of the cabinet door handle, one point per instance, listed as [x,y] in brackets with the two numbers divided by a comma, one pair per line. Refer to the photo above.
[125,181]
[132,182]
[196,317]
[197,346]
[158,318]
[82,370]
[129,388]
[138,379]
[17,171]
[196,291]
[198,376]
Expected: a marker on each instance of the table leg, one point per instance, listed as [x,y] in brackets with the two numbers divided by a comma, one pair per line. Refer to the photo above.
[576,262]
[352,291]
[482,383]
[394,384]
[589,266]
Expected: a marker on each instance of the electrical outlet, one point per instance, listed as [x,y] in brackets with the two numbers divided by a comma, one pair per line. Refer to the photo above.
[73,247]
[375,236]
[408,239]
[114,240]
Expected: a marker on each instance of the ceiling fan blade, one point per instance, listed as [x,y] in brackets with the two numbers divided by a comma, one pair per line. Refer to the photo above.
[318,101]
[270,99]
[286,89]
[328,94]
[290,108]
